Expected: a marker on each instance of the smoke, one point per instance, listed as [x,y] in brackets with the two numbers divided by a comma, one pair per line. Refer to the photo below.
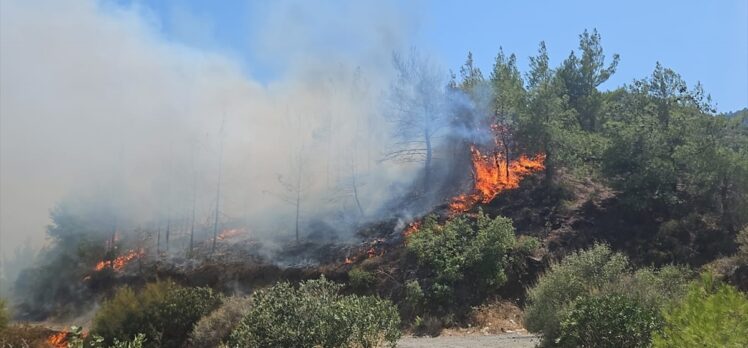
[99,109]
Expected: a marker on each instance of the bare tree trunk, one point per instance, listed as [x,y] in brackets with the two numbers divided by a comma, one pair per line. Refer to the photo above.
[298,200]
[355,195]
[218,189]
[427,164]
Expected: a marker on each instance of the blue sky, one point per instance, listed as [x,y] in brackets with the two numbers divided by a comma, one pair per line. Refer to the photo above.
[704,41]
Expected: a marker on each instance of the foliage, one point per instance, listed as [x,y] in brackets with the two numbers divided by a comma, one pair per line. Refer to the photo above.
[360,279]
[742,240]
[710,315]
[462,249]
[314,314]
[608,321]
[4,314]
[76,339]
[214,328]
[413,300]
[596,272]
[163,311]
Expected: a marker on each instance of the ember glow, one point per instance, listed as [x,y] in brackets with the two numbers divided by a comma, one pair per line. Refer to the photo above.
[58,340]
[120,262]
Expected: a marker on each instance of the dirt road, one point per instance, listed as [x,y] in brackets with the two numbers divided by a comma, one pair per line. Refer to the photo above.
[490,341]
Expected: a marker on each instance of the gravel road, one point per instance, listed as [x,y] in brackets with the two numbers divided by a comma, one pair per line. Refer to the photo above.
[490,341]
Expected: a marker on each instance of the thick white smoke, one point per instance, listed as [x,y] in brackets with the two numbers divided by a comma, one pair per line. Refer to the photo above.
[94,102]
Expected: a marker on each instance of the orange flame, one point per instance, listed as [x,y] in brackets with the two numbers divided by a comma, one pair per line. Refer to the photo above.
[120,262]
[412,228]
[348,261]
[493,177]
[58,340]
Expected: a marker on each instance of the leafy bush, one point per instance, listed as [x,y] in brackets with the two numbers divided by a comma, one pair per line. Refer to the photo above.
[710,315]
[413,298]
[76,339]
[608,321]
[742,240]
[163,311]
[461,249]
[575,276]
[360,279]
[314,314]
[4,315]
[597,272]
[214,328]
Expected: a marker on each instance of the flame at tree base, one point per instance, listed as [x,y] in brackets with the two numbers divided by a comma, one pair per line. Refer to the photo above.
[492,175]
[120,262]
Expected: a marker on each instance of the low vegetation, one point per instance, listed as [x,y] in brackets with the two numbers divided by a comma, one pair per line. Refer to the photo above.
[586,284]
[459,252]
[711,314]
[163,311]
[215,328]
[315,314]
[4,314]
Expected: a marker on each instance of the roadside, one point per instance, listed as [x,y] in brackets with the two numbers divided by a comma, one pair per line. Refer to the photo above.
[510,340]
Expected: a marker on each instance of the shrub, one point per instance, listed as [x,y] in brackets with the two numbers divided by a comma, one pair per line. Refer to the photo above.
[314,314]
[710,315]
[360,279]
[742,240]
[4,315]
[461,249]
[214,328]
[573,277]
[163,311]
[413,298]
[597,272]
[608,321]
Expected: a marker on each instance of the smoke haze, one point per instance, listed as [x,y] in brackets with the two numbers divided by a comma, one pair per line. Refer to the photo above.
[98,108]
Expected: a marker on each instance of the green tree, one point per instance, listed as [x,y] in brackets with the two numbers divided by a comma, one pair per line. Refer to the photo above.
[710,315]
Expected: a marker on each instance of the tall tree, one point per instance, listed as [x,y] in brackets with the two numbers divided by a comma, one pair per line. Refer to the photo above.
[418,110]
[508,101]
[580,78]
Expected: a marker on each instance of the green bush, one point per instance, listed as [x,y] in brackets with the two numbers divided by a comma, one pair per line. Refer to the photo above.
[214,328]
[76,339]
[608,321]
[163,311]
[710,315]
[315,314]
[476,252]
[597,272]
[413,299]
[360,279]
[575,276]
[4,315]
[742,240]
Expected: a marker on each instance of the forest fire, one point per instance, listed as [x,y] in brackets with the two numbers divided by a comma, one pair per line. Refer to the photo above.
[492,176]
[412,228]
[120,262]
[58,340]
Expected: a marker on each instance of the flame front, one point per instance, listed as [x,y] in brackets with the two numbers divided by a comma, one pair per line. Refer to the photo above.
[58,340]
[492,175]
[120,262]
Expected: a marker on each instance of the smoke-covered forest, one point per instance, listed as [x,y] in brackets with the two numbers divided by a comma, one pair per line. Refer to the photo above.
[364,195]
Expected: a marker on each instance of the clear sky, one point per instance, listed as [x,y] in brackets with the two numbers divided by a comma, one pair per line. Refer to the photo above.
[704,41]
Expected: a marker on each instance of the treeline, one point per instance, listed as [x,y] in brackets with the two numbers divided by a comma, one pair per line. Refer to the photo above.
[679,171]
